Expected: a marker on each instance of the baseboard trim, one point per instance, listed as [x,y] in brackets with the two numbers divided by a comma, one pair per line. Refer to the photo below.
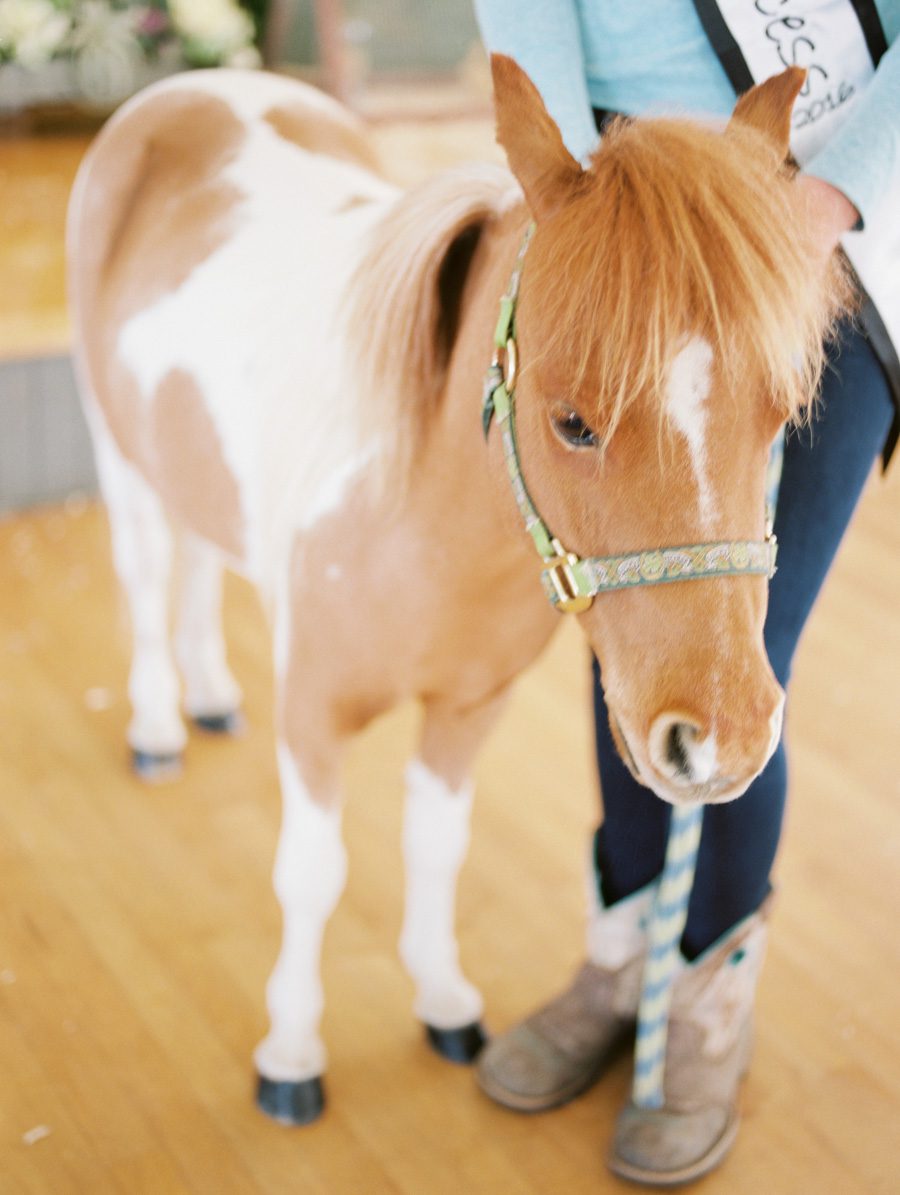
[45,448]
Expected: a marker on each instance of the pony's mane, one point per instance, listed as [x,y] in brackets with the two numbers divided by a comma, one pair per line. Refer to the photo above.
[676,230]
[681,230]
[405,295]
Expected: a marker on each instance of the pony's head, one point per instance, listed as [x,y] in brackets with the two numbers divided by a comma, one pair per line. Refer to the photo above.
[671,318]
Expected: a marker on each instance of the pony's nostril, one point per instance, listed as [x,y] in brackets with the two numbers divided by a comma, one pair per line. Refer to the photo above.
[679,753]
[676,752]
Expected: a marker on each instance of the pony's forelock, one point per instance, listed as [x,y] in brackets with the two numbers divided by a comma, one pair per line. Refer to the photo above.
[681,230]
[677,230]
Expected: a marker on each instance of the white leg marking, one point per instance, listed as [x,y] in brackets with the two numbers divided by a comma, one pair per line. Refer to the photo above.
[209,687]
[142,550]
[435,840]
[310,872]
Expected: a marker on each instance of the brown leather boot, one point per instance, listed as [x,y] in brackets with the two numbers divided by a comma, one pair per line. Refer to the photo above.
[707,1054]
[561,1050]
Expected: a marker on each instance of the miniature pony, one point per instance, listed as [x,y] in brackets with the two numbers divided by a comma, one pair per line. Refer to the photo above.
[281,358]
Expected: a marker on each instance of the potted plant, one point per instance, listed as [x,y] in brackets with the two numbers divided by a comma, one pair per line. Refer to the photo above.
[89,55]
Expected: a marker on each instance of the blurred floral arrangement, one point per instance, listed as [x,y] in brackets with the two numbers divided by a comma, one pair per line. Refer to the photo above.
[106,49]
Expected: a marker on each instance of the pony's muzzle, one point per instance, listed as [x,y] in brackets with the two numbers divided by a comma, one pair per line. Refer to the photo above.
[689,763]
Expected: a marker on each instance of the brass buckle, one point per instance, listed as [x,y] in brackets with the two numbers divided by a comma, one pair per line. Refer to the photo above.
[568,599]
[512,365]
[507,360]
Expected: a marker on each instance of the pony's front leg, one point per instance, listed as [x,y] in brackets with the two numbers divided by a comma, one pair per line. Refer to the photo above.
[310,871]
[212,697]
[435,841]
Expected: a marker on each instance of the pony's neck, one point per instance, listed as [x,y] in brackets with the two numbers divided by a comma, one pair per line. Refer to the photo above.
[458,476]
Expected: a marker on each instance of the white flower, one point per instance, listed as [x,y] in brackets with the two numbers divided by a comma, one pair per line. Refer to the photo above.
[98,25]
[246,58]
[107,49]
[31,30]
[222,26]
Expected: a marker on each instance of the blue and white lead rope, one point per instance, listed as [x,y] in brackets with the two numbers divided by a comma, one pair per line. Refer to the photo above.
[669,913]
[667,919]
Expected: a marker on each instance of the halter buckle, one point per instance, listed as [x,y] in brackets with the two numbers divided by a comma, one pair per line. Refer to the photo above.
[565,585]
[506,359]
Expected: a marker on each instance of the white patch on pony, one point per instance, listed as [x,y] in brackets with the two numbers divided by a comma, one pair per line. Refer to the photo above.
[322,501]
[142,551]
[688,390]
[282,624]
[435,841]
[703,759]
[776,722]
[332,491]
[258,325]
[310,872]
[511,198]
[209,687]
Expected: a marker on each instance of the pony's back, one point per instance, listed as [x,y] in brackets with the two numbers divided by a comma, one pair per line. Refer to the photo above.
[212,230]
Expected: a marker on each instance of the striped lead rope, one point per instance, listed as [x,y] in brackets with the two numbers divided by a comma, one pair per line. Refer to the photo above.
[670,906]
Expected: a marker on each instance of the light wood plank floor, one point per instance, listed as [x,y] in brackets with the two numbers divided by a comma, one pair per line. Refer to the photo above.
[137,925]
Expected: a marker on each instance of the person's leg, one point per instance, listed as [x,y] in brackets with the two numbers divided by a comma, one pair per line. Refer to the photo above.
[825,468]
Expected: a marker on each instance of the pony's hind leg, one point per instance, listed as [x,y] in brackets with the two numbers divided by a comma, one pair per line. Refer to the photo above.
[310,872]
[142,554]
[212,697]
[435,841]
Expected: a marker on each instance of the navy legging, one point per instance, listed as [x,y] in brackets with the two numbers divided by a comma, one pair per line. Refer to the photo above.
[825,469]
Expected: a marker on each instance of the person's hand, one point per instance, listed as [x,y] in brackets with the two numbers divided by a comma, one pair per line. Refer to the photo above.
[831,213]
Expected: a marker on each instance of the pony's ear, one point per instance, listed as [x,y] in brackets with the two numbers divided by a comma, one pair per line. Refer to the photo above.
[767,107]
[537,156]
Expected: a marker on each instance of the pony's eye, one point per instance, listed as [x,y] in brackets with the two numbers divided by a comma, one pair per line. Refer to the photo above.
[572,429]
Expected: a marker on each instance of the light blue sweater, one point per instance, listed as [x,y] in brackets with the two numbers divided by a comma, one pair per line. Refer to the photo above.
[653,56]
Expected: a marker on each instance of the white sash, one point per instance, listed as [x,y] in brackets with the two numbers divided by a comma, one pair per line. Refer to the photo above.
[823,36]
[827,38]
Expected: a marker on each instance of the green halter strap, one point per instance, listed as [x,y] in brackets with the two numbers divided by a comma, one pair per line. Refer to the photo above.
[571,582]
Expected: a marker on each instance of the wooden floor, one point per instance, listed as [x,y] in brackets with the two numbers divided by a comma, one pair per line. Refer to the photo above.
[137,925]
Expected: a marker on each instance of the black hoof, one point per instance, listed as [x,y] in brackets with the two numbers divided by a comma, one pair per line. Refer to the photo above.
[462,1045]
[149,765]
[230,723]
[291,1103]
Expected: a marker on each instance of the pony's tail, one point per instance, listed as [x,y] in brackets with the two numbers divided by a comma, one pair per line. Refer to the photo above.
[404,298]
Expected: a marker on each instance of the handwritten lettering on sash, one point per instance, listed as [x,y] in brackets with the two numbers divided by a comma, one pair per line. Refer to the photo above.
[792,35]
